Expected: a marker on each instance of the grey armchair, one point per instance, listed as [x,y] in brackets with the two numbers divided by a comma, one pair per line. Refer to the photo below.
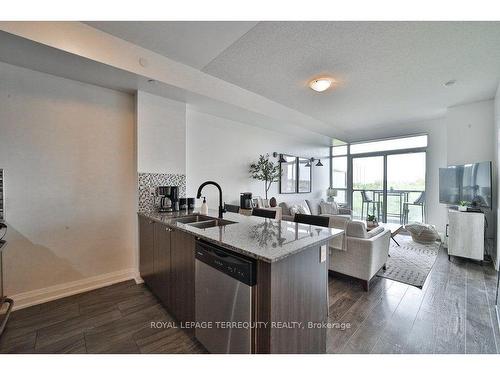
[360,254]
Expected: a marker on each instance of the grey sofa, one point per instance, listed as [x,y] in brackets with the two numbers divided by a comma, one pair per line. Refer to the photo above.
[314,208]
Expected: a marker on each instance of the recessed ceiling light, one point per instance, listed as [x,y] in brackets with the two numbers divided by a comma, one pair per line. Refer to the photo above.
[320,84]
[151,81]
[451,82]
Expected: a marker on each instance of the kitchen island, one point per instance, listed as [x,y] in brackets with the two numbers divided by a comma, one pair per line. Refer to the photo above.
[289,301]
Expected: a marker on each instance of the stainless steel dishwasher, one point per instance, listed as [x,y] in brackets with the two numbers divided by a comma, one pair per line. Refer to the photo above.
[223,306]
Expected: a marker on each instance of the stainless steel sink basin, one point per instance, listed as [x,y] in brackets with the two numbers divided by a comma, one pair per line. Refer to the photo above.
[211,223]
[193,219]
[202,221]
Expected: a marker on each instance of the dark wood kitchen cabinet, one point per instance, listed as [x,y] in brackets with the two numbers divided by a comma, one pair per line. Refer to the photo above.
[161,264]
[167,266]
[182,275]
[146,252]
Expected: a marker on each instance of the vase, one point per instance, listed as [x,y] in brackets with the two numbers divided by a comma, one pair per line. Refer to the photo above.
[273,202]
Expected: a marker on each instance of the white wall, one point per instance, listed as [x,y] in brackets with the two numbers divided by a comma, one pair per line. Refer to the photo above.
[470,133]
[465,134]
[161,134]
[68,153]
[222,150]
[470,139]
[436,158]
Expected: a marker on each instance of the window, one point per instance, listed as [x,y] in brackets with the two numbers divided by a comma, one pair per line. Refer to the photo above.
[418,141]
[339,150]
[338,172]
[387,177]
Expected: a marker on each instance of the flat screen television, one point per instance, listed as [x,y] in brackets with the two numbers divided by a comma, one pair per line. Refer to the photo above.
[468,182]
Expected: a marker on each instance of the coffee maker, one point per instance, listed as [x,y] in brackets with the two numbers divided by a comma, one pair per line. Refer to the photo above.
[167,198]
[246,200]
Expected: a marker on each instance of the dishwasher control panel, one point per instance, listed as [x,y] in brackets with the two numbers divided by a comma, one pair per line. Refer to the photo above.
[234,265]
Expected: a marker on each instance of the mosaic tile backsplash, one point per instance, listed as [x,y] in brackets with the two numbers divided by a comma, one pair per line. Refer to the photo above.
[152,180]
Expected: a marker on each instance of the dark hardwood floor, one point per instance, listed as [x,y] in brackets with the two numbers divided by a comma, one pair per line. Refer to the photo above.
[453,313]
[115,319]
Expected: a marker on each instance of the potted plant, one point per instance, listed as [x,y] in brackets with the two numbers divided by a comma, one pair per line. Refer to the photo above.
[265,170]
[463,205]
[371,221]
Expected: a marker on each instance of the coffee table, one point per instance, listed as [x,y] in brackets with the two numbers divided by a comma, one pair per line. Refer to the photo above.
[393,227]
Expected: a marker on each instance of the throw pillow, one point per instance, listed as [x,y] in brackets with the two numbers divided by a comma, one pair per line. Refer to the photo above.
[299,209]
[375,231]
[313,205]
[356,228]
[329,208]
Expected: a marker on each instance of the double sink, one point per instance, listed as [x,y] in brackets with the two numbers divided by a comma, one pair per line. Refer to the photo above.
[203,222]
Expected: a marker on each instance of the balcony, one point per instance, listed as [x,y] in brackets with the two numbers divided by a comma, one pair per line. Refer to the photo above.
[403,206]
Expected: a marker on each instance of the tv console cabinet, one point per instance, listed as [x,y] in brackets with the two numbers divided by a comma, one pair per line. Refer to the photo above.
[465,234]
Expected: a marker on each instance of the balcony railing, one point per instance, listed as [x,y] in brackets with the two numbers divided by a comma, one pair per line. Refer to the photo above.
[403,206]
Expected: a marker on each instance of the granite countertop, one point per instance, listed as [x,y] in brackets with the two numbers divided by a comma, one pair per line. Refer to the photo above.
[265,239]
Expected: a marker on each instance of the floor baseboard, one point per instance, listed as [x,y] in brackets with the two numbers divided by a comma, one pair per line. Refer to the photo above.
[35,297]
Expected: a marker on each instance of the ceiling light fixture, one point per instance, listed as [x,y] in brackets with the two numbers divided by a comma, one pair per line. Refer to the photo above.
[320,84]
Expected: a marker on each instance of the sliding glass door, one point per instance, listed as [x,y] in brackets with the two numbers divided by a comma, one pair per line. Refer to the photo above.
[405,186]
[390,186]
[368,186]
[384,177]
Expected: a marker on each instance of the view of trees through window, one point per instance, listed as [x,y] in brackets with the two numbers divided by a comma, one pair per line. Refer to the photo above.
[405,182]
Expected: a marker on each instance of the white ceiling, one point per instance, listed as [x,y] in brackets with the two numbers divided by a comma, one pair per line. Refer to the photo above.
[387,72]
[30,54]
[192,43]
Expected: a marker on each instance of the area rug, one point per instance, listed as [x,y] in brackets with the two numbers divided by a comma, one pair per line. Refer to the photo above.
[411,262]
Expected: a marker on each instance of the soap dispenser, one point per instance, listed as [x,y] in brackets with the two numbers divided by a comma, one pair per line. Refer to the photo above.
[204,207]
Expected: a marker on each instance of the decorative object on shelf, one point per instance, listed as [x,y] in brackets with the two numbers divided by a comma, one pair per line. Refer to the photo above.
[331,193]
[257,202]
[463,205]
[265,170]
[273,202]
[371,221]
